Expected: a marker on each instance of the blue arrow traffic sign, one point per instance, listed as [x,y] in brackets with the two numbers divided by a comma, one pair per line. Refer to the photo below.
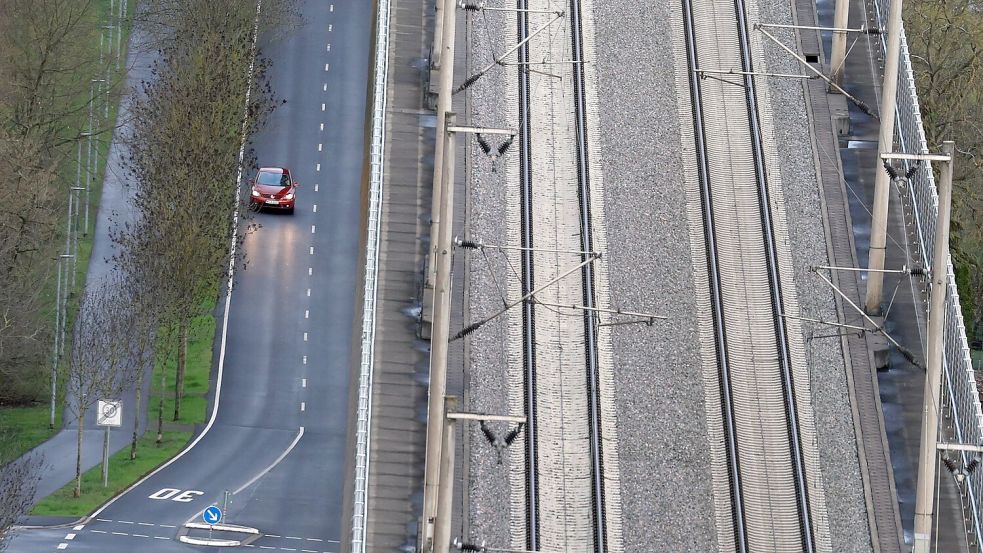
[212,515]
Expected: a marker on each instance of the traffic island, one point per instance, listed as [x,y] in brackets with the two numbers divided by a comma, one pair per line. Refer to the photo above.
[217,535]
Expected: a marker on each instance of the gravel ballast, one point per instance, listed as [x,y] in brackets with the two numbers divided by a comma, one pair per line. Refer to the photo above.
[667,495]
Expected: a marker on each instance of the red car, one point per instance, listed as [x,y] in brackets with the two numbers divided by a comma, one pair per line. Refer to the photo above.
[273,188]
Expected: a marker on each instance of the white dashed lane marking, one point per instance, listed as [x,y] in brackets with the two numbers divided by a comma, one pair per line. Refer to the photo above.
[327,66]
[308,292]
[322,124]
[310,271]
[330,27]
[319,146]
[305,336]
[332,8]
[70,536]
[317,168]
[312,250]
[329,47]
[305,359]
[315,211]
[303,407]
[79,527]
[307,313]
[322,107]
[312,229]
[62,545]
[99,532]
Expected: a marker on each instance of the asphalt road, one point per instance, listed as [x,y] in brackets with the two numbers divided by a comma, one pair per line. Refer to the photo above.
[277,444]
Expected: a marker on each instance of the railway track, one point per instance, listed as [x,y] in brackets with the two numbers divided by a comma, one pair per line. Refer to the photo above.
[769,495]
[561,414]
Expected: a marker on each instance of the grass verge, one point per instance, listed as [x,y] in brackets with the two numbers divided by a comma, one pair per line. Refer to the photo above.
[22,428]
[194,405]
[122,473]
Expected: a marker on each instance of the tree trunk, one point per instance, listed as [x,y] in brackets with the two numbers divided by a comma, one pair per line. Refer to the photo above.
[160,404]
[182,365]
[136,413]
[78,454]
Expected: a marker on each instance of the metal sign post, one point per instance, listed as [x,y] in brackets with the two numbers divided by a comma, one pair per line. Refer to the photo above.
[109,413]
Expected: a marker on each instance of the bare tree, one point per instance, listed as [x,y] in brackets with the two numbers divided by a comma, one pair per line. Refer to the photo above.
[101,365]
[27,225]
[44,103]
[18,480]
[190,125]
[946,40]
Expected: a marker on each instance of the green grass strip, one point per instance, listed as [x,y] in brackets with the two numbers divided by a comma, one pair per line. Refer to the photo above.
[123,472]
[22,428]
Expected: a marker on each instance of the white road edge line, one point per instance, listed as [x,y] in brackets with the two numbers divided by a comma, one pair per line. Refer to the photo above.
[228,293]
[300,434]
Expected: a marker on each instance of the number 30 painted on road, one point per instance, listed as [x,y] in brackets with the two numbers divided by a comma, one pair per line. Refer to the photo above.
[175,494]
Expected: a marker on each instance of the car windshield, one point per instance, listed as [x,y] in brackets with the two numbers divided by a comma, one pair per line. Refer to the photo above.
[273,179]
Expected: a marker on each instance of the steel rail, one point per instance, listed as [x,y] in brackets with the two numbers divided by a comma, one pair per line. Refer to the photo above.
[589,293]
[716,295]
[770,250]
[774,282]
[528,283]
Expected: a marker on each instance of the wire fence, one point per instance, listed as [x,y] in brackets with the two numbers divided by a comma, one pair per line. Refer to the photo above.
[960,395]
[377,162]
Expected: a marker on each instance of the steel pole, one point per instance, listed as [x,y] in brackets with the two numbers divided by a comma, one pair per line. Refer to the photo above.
[439,342]
[54,354]
[445,502]
[105,458]
[885,144]
[445,96]
[928,453]
[119,31]
[841,20]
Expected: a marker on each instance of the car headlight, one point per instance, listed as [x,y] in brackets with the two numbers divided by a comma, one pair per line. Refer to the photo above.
[255,193]
[289,196]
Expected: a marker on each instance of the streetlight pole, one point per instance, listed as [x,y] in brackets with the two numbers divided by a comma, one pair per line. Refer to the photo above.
[928,453]
[885,144]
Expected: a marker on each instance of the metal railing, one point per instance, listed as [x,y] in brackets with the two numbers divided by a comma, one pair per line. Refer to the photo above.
[961,400]
[377,161]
